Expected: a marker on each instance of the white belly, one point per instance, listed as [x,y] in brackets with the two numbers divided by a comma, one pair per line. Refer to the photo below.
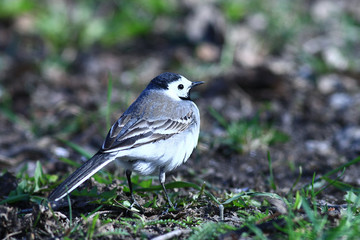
[167,154]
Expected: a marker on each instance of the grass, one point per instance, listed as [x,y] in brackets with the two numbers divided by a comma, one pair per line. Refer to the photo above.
[299,215]
[247,135]
[109,93]
[87,24]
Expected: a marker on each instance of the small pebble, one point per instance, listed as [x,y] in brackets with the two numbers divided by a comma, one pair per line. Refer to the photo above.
[339,101]
[320,147]
[61,152]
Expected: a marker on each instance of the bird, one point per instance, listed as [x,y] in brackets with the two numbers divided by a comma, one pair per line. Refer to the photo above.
[156,134]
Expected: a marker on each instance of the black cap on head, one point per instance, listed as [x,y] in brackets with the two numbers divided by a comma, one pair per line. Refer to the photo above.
[162,81]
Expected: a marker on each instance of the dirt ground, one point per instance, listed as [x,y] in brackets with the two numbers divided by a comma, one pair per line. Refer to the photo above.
[319,112]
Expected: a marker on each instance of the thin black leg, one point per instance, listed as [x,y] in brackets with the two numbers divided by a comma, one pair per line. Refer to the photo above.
[134,202]
[162,181]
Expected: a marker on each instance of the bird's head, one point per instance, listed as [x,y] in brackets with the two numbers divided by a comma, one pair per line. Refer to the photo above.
[174,85]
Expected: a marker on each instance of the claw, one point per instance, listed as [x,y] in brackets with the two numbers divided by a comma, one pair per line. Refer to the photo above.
[135,203]
[168,209]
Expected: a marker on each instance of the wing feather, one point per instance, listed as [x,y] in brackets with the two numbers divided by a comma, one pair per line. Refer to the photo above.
[130,132]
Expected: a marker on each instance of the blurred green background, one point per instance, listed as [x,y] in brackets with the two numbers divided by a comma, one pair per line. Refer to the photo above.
[51,45]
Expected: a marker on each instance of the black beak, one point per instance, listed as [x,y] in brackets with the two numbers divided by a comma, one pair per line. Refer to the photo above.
[194,84]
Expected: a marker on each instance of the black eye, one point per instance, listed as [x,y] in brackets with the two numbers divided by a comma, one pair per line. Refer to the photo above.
[180,86]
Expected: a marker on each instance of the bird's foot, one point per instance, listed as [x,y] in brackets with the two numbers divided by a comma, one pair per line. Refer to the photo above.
[170,207]
[135,203]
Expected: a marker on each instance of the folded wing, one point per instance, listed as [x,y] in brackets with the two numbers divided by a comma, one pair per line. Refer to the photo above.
[130,132]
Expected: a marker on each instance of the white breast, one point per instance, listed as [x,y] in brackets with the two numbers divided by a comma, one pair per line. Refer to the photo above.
[167,154]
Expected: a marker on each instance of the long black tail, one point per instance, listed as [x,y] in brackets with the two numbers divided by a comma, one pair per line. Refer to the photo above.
[84,172]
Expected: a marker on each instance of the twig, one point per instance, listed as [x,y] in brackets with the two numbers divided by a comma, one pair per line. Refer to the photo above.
[12,234]
[16,150]
[7,161]
[172,234]
[101,213]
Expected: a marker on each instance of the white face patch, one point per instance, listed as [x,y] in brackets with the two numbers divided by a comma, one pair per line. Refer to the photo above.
[179,89]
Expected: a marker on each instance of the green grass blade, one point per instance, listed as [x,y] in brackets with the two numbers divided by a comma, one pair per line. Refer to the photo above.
[91,230]
[271,177]
[234,198]
[108,108]
[17,198]
[297,180]
[38,176]
[264,194]
[70,162]
[336,170]
[70,208]
[76,148]
[218,117]
[345,165]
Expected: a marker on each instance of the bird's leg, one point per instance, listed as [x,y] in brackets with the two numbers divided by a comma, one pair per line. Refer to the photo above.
[162,181]
[134,202]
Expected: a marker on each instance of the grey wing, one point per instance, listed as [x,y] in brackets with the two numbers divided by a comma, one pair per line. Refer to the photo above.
[130,132]
[117,130]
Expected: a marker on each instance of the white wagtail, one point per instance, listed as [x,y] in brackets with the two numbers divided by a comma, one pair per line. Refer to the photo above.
[156,134]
